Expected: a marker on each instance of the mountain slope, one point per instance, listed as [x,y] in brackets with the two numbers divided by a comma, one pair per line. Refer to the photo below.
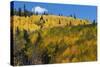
[35,22]
[52,39]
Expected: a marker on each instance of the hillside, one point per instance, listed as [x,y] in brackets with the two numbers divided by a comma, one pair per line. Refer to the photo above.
[50,39]
[35,22]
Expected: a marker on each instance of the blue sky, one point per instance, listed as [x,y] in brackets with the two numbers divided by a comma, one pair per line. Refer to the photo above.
[81,11]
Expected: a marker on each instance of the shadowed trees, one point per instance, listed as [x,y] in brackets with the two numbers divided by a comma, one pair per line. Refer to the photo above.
[45,57]
[21,11]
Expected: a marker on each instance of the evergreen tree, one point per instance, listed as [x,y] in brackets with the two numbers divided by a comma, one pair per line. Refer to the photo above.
[94,22]
[26,35]
[19,11]
[70,23]
[74,16]
[41,18]
[36,13]
[59,21]
[24,10]
[71,15]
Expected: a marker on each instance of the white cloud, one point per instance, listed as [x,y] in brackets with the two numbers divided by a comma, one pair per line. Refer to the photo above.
[39,10]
